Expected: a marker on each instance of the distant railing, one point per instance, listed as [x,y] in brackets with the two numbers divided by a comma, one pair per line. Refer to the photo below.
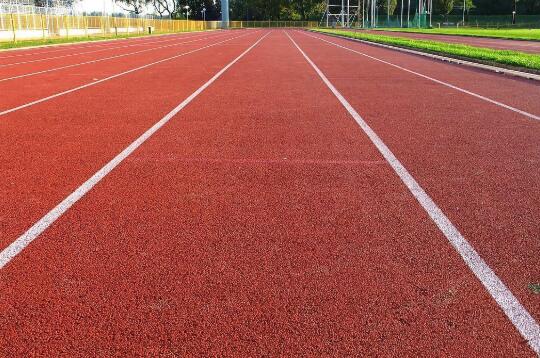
[487,21]
[14,27]
[270,24]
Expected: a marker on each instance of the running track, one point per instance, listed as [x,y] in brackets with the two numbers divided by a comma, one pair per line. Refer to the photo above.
[268,193]
[497,44]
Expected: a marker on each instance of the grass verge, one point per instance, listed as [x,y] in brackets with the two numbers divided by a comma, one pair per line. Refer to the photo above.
[64,40]
[501,58]
[510,34]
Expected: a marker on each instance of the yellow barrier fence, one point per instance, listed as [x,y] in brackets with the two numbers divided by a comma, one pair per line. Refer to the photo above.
[14,27]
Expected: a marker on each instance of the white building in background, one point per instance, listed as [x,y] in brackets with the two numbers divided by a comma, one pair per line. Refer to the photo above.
[58,7]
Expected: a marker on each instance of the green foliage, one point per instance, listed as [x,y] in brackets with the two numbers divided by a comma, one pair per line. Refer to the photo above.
[314,9]
[383,5]
[443,6]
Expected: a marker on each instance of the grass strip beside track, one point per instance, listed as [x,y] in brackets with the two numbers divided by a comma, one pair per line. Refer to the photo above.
[510,34]
[504,58]
[70,40]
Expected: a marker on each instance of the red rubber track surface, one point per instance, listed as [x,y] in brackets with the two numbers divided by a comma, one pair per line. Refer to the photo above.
[477,160]
[33,53]
[32,88]
[49,149]
[15,66]
[519,93]
[261,220]
[497,44]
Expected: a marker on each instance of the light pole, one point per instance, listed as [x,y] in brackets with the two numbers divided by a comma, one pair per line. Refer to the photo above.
[401,22]
[430,13]
[464,6]
[187,12]
[204,13]
[514,13]
[419,13]
[342,13]
[408,13]
[388,13]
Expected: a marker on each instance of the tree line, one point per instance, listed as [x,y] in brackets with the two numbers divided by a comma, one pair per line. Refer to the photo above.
[308,9]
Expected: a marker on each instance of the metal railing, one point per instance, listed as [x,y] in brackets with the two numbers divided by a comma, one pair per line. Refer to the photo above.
[32,26]
[16,26]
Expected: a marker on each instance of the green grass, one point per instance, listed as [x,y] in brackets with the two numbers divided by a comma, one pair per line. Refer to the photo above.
[479,54]
[535,288]
[64,40]
[512,34]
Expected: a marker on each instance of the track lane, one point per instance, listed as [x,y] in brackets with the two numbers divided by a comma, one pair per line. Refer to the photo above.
[49,149]
[17,62]
[17,68]
[11,74]
[497,44]
[24,54]
[274,228]
[479,165]
[32,90]
[474,80]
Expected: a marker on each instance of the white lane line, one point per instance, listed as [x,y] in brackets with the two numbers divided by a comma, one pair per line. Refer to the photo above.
[518,315]
[41,100]
[500,104]
[87,52]
[106,58]
[91,44]
[39,227]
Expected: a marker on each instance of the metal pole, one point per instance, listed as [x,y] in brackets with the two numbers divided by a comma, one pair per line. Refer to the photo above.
[224,14]
[13,27]
[409,13]
[401,22]
[373,13]
[363,13]
[419,11]
[388,13]
[430,13]
[464,4]
[327,15]
[342,13]
[348,14]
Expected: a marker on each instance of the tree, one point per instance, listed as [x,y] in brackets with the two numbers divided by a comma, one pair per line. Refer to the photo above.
[444,6]
[384,5]
[136,7]
[529,6]
[213,9]
[304,9]
[167,8]
[469,5]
